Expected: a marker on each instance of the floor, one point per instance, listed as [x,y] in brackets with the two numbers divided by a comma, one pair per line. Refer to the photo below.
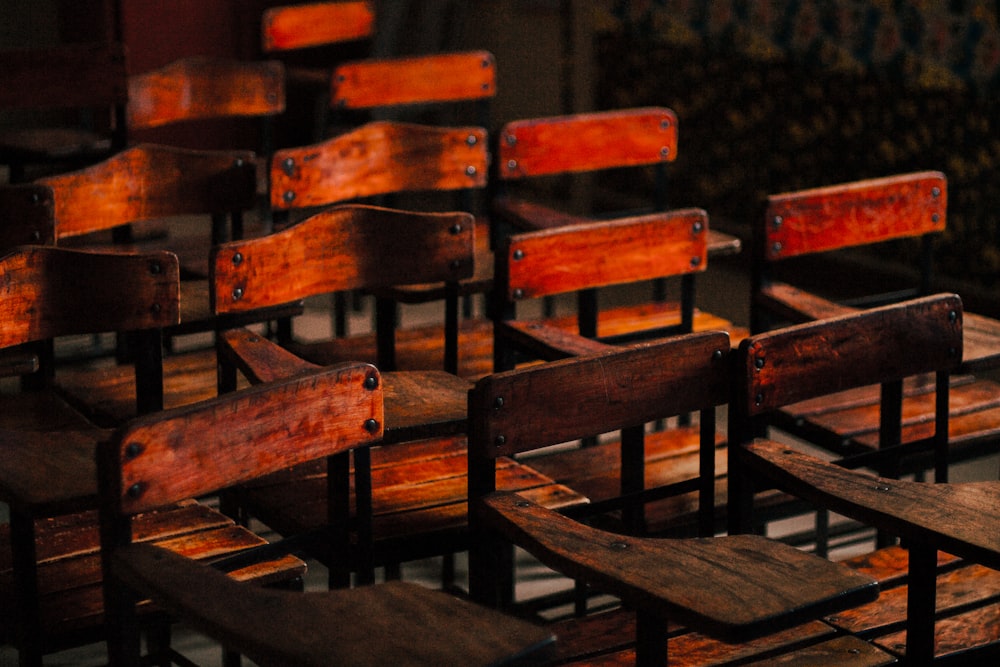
[722,291]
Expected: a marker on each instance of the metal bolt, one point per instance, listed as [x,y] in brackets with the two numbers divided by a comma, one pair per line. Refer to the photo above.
[510,139]
[696,261]
[665,152]
[698,227]
[132,450]
[486,62]
[371,382]
[471,170]
[664,123]
[371,425]
[237,293]
[35,198]
[758,362]
[618,546]
[238,163]
[500,441]
[472,140]
[288,166]
[776,248]
[519,293]
[776,222]
[935,217]
[455,229]
[36,236]
[522,503]
[935,191]
[155,308]
[716,355]
[237,259]
[518,255]
[882,487]
[498,402]
[455,264]
[758,399]
[135,490]
[952,316]
[155,268]
[289,197]
[511,165]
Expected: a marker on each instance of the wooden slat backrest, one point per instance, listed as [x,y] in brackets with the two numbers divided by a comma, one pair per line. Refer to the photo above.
[529,408]
[586,142]
[600,254]
[26,216]
[379,158]
[853,214]
[63,77]
[47,292]
[315,24]
[343,248]
[446,77]
[869,347]
[199,87]
[150,181]
[196,449]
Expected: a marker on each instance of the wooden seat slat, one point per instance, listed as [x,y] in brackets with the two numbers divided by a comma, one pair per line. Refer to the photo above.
[955,635]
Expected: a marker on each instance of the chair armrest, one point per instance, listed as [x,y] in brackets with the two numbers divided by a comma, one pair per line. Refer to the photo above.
[958,518]
[260,359]
[798,305]
[414,625]
[734,588]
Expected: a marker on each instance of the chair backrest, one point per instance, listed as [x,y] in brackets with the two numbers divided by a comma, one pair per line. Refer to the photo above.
[532,407]
[197,449]
[341,248]
[200,88]
[150,181]
[379,158]
[306,25]
[592,255]
[47,292]
[878,346]
[845,216]
[26,216]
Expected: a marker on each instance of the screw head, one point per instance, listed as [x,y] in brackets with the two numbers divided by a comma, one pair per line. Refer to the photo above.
[471,170]
[518,255]
[237,259]
[371,425]
[472,140]
[237,293]
[289,196]
[155,268]
[371,382]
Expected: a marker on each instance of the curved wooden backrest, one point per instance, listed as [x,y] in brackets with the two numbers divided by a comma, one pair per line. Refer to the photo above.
[26,216]
[342,248]
[47,291]
[446,77]
[853,214]
[196,449]
[560,401]
[63,77]
[379,158]
[150,181]
[868,347]
[315,24]
[586,142]
[603,253]
[198,88]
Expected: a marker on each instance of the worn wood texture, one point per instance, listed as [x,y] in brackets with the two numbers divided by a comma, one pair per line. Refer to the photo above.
[199,87]
[49,291]
[885,343]
[347,247]
[611,139]
[277,427]
[150,181]
[414,625]
[26,216]
[734,587]
[314,24]
[378,158]
[860,213]
[599,254]
[435,78]
[77,75]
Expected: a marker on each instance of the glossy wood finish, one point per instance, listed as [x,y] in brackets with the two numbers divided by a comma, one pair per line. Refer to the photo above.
[630,137]
[199,88]
[379,158]
[151,181]
[343,248]
[314,24]
[430,79]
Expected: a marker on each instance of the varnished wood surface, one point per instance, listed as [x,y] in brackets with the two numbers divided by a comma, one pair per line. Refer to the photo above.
[859,213]
[47,291]
[434,78]
[960,518]
[199,87]
[705,586]
[396,623]
[378,158]
[342,248]
[313,24]
[586,142]
[150,181]
[565,259]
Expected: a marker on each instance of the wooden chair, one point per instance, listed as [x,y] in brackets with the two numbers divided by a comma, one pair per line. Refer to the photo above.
[320,416]
[420,470]
[85,81]
[798,236]
[600,254]
[949,606]
[735,588]
[377,160]
[48,472]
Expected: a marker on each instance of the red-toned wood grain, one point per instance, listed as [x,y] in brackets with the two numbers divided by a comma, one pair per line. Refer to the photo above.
[314,24]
